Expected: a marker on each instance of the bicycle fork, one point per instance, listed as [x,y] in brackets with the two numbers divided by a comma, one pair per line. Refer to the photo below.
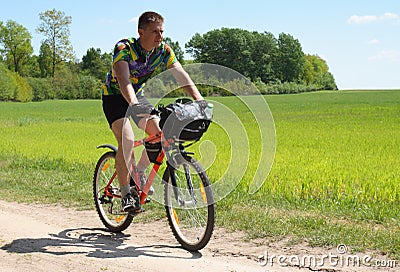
[175,188]
[174,184]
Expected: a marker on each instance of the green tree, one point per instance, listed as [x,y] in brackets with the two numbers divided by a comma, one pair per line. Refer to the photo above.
[196,48]
[16,42]
[276,65]
[316,71]
[177,49]
[211,47]
[31,68]
[313,68]
[45,60]
[95,63]
[263,50]
[226,47]
[55,27]
[249,53]
[289,62]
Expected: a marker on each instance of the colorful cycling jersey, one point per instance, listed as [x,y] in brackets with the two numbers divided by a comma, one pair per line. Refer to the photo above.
[141,64]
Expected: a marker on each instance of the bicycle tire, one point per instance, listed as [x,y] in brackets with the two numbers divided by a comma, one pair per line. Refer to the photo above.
[109,208]
[191,220]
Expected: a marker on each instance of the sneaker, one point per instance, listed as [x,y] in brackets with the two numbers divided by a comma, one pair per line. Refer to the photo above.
[143,180]
[130,203]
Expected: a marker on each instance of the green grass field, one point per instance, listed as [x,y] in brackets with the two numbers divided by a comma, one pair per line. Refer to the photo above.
[335,177]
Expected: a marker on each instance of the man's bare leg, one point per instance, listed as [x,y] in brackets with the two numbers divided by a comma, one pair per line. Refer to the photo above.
[122,130]
[150,127]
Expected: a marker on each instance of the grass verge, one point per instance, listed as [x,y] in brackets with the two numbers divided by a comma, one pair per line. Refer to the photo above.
[334,179]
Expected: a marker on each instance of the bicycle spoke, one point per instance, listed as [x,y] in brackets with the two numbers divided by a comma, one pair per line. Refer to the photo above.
[192,222]
[108,204]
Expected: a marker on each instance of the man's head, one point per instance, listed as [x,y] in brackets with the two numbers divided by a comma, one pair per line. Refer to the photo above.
[151,29]
[149,17]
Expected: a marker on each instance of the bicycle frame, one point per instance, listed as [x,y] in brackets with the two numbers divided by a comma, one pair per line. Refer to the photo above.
[142,191]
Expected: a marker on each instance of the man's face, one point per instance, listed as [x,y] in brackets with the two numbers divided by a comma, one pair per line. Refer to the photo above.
[151,36]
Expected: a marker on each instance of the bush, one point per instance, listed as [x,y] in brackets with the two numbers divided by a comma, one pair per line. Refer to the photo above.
[327,81]
[69,87]
[89,87]
[13,86]
[70,84]
[24,91]
[285,88]
[65,84]
[42,88]
[8,84]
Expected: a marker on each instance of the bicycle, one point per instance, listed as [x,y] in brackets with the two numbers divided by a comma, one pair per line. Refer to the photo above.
[188,196]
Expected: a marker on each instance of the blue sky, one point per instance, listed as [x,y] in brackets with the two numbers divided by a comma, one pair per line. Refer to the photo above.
[359,39]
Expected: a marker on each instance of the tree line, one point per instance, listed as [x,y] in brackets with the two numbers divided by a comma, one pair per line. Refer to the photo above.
[274,65]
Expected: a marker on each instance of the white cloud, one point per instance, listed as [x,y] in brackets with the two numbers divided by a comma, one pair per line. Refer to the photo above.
[389,16]
[374,41]
[356,19]
[389,55]
[134,20]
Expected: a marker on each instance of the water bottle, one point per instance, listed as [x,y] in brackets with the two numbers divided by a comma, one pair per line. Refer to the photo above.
[209,111]
[192,111]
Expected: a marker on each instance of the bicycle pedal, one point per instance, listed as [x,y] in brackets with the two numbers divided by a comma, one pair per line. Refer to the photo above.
[134,212]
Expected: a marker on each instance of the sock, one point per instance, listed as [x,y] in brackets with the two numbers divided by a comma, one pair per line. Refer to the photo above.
[125,189]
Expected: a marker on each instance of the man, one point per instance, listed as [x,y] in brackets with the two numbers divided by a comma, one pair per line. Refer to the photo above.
[134,61]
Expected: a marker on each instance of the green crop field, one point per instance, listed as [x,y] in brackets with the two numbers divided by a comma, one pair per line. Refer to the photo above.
[335,178]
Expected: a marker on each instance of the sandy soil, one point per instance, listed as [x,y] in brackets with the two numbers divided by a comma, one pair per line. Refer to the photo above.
[49,238]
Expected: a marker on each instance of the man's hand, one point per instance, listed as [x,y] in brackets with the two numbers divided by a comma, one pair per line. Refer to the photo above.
[202,103]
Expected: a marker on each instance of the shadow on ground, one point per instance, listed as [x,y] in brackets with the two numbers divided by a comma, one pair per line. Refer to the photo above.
[95,243]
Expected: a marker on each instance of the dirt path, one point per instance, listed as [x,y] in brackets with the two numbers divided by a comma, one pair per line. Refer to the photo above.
[47,238]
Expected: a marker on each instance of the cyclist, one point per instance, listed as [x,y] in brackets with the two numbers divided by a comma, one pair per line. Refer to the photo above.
[134,61]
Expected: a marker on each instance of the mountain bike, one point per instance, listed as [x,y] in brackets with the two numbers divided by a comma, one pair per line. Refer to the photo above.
[188,196]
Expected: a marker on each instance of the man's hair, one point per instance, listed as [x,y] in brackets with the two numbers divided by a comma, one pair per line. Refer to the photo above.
[149,17]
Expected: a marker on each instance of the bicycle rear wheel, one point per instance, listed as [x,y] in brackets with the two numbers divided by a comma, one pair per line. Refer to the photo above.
[108,207]
[189,204]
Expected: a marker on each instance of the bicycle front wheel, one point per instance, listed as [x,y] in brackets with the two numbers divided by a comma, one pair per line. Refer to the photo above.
[189,204]
[107,196]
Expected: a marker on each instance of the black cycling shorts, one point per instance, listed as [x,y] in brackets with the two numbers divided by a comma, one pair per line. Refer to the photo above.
[115,107]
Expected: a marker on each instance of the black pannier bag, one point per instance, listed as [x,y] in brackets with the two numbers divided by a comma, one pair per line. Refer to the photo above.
[152,150]
[185,120]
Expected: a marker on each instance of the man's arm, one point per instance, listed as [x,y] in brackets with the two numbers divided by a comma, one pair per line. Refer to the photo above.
[121,70]
[185,81]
